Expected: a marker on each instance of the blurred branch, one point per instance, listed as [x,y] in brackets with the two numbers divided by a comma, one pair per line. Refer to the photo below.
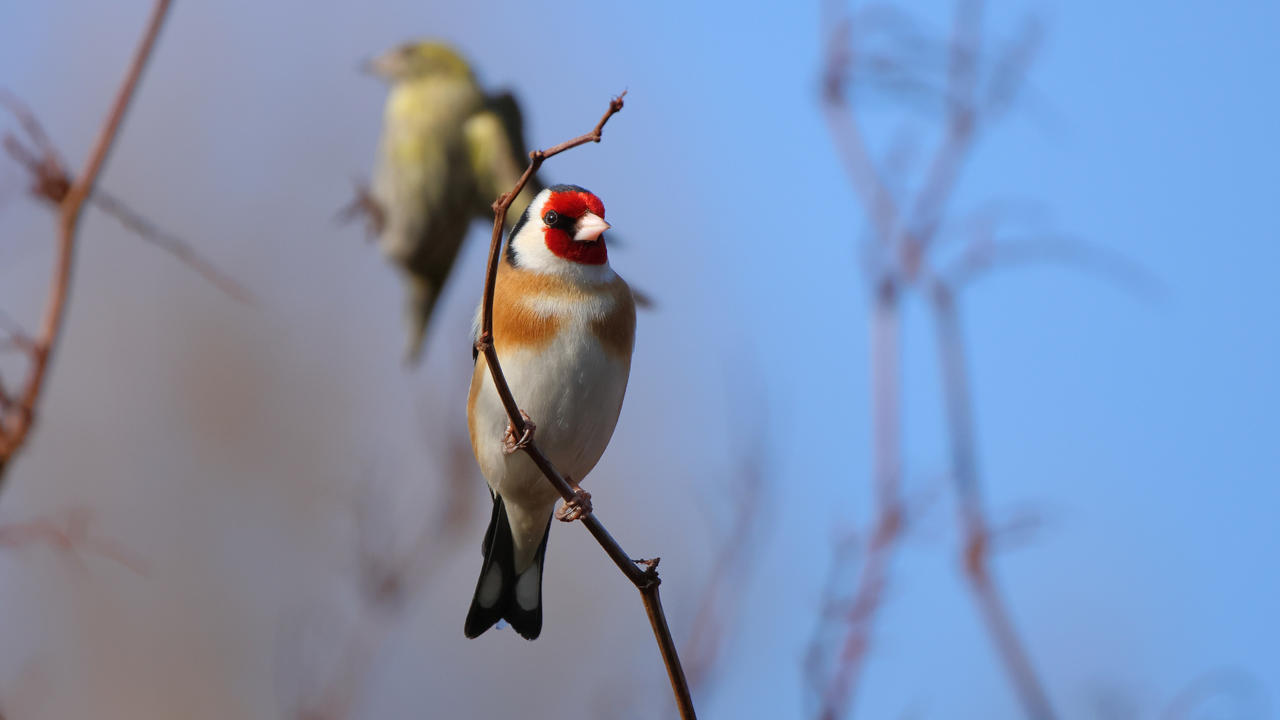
[984,255]
[1220,693]
[646,580]
[180,249]
[882,545]
[51,183]
[847,134]
[19,416]
[390,578]
[960,132]
[726,585]
[973,520]
[905,232]
[71,535]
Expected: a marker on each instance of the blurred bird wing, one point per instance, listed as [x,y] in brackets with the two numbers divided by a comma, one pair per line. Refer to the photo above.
[495,138]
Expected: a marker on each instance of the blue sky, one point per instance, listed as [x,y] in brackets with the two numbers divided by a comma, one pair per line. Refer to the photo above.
[1141,428]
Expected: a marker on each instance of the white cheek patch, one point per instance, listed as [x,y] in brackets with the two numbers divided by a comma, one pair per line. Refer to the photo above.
[533,254]
[527,587]
[491,588]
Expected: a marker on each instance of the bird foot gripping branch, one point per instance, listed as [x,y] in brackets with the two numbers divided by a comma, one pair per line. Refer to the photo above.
[512,444]
[577,507]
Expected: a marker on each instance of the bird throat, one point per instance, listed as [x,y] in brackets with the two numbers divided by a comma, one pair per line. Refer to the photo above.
[584,253]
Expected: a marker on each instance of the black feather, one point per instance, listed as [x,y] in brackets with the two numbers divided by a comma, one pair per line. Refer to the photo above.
[568,188]
[499,552]
[511,248]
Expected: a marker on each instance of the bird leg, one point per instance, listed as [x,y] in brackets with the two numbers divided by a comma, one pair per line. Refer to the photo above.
[576,507]
[510,443]
[365,205]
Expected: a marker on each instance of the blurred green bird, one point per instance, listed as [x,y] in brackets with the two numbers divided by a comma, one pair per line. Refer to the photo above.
[447,151]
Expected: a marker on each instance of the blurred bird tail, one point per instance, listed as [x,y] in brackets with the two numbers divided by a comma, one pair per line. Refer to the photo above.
[501,594]
[420,300]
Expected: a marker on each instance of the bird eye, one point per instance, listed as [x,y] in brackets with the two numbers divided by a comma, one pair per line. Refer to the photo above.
[550,217]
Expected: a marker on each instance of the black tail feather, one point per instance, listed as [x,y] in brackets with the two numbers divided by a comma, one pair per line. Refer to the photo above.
[495,597]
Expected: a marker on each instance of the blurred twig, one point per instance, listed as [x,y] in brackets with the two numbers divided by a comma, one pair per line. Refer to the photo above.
[905,231]
[71,535]
[390,578]
[889,516]
[646,579]
[51,183]
[180,249]
[741,545]
[978,540]
[19,411]
[1221,693]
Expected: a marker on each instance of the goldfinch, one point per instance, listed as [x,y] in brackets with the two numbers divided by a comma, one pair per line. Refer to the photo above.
[447,151]
[563,328]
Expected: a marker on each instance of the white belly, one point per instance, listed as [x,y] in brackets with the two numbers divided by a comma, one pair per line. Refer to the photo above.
[572,390]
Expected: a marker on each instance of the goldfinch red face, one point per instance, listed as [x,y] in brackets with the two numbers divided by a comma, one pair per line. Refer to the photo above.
[562,232]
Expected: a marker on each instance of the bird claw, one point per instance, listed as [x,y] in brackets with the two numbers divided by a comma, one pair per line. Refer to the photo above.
[579,506]
[365,205]
[510,443]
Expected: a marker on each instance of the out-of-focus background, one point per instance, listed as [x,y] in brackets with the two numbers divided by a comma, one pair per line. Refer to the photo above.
[258,460]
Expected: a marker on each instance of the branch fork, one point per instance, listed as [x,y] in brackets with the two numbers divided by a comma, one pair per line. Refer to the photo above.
[905,232]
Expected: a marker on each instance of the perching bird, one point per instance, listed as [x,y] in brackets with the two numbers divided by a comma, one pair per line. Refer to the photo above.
[447,152]
[563,328]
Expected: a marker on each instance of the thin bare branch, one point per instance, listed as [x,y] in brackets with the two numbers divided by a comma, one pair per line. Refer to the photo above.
[941,177]
[1227,692]
[646,579]
[908,230]
[883,543]
[180,249]
[845,130]
[71,534]
[1010,71]
[20,416]
[51,183]
[977,544]
[30,124]
[982,257]
[859,620]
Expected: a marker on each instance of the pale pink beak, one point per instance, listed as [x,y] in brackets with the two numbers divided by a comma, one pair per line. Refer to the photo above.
[590,227]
